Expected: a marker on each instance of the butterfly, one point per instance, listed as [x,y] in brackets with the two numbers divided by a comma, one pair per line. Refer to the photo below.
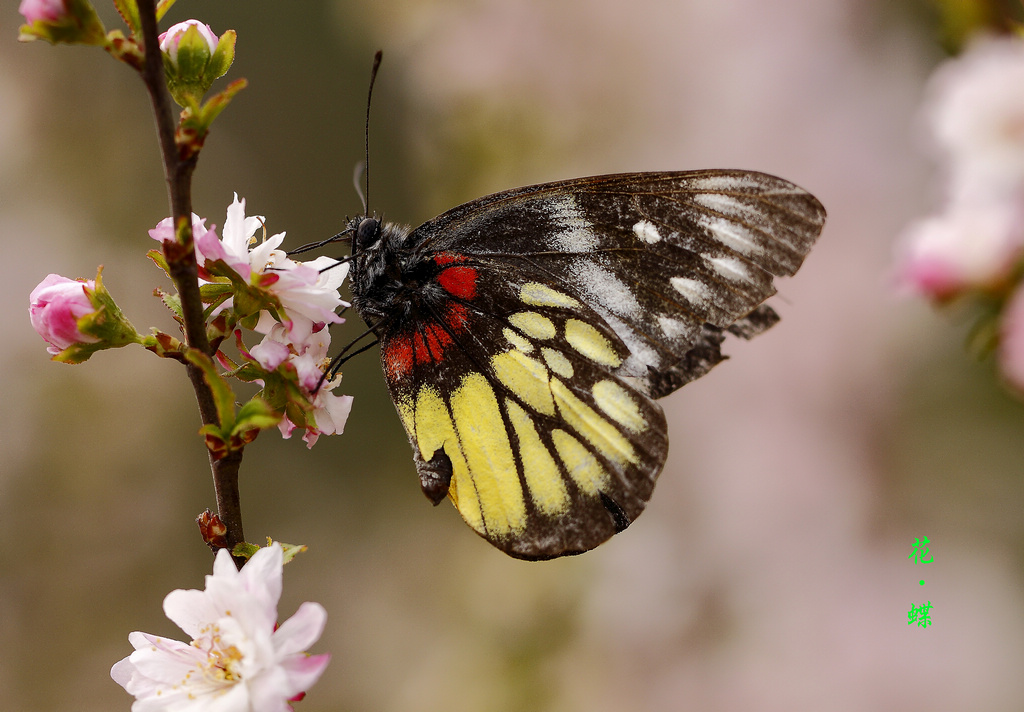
[526,336]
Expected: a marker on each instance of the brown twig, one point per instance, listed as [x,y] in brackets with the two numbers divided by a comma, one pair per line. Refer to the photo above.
[181,261]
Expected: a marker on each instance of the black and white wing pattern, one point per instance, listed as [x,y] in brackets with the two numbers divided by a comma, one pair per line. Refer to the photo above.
[526,335]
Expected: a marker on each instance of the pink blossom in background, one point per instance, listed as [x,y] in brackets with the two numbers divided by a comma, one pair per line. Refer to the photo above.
[976,111]
[55,306]
[976,118]
[34,10]
[170,40]
[239,659]
[966,247]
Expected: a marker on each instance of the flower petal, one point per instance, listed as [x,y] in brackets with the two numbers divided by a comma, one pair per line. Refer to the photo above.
[300,631]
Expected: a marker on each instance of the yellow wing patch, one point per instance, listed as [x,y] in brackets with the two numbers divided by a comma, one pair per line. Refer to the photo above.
[602,435]
[591,343]
[518,340]
[557,362]
[434,430]
[616,402]
[581,464]
[540,295]
[542,476]
[527,378]
[489,456]
[533,324]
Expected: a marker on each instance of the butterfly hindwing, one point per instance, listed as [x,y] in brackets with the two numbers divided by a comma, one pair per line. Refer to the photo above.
[525,336]
[519,420]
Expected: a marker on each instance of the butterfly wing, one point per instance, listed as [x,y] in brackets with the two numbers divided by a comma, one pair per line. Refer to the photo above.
[560,312]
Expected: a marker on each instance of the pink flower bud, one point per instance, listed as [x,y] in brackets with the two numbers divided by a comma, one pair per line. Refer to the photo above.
[169,40]
[55,307]
[35,10]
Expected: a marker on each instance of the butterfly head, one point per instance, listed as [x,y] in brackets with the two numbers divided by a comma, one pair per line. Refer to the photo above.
[367,231]
[379,269]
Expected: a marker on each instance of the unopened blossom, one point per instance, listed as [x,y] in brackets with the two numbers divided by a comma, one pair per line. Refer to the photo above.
[47,10]
[55,306]
[170,40]
[238,659]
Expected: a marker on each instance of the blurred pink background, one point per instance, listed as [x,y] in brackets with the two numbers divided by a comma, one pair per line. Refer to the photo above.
[770,571]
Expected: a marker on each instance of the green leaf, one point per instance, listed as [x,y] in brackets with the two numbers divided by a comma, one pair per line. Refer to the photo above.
[157,256]
[171,301]
[292,550]
[223,396]
[129,12]
[244,550]
[162,7]
[222,57]
[195,122]
[255,415]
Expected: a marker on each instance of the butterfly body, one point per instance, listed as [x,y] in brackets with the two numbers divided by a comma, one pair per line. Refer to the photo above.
[526,335]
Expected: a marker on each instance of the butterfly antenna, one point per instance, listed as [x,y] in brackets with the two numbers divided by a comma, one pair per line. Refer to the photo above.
[365,196]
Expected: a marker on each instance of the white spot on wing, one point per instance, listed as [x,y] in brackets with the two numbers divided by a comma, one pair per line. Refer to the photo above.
[728,267]
[674,328]
[575,235]
[730,234]
[723,182]
[603,287]
[647,232]
[691,289]
[641,353]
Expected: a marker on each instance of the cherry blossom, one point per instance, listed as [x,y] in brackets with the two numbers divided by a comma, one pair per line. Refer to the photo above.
[55,306]
[310,359]
[35,10]
[305,289]
[238,659]
[169,40]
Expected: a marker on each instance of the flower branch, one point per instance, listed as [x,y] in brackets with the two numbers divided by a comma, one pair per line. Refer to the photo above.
[183,270]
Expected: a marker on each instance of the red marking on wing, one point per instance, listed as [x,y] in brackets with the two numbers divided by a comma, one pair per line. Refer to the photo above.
[446,258]
[456,317]
[427,344]
[458,281]
[430,342]
[398,355]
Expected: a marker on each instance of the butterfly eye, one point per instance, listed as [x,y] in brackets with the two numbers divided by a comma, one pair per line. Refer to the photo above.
[368,233]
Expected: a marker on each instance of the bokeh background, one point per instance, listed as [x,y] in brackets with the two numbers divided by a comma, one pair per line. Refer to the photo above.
[771,569]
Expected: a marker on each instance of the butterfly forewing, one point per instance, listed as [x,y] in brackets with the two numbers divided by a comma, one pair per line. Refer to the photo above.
[525,335]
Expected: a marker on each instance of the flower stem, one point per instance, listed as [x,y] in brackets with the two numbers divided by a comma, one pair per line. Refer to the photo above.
[181,262]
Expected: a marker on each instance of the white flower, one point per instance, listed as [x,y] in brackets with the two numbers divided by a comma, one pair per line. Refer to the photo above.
[308,290]
[237,661]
